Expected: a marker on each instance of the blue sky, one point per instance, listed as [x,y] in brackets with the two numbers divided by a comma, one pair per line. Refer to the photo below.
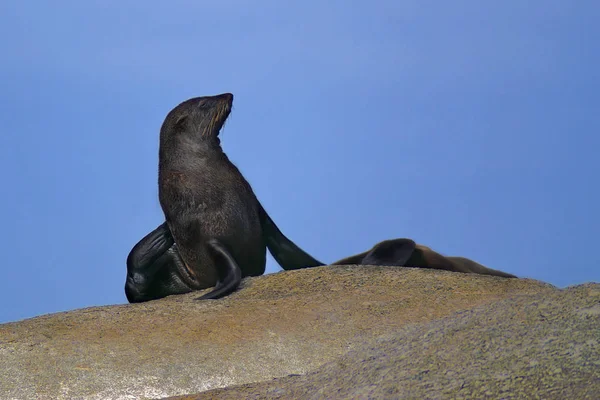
[471,127]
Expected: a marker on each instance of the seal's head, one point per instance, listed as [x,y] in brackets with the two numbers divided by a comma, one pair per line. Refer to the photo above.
[199,118]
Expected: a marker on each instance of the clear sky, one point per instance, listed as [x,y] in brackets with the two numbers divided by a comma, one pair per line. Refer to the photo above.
[469,126]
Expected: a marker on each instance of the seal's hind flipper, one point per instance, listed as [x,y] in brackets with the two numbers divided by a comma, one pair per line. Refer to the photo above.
[146,261]
[287,254]
[150,248]
[230,274]
[394,252]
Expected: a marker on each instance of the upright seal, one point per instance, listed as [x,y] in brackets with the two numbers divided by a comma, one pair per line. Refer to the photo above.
[216,231]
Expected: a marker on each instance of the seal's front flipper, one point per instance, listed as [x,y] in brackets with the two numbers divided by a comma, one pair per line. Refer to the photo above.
[394,252]
[230,274]
[287,254]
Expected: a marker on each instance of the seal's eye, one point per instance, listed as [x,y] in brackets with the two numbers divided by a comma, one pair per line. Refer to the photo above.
[204,104]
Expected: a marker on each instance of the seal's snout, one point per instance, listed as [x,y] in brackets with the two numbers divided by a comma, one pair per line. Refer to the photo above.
[219,100]
[227,98]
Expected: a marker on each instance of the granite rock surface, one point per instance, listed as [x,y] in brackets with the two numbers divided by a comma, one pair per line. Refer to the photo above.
[544,346]
[275,325]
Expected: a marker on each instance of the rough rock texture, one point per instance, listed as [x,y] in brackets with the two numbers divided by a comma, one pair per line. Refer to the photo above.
[545,346]
[275,325]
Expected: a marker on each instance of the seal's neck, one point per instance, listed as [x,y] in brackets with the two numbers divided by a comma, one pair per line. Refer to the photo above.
[184,151]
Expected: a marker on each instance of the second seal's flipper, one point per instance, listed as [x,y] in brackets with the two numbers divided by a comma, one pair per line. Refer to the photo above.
[356,259]
[230,274]
[287,254]
[476,268]
[393,252]
[424,257]
[390,252]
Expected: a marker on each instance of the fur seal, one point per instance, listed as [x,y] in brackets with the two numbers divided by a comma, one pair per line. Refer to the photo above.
[154,264]
[407,253]
[221,227]
[216,231]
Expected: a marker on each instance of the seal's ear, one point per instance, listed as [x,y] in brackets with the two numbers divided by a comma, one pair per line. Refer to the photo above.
[179,124]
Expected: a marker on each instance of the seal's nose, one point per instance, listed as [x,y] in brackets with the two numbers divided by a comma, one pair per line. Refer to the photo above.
[227,96]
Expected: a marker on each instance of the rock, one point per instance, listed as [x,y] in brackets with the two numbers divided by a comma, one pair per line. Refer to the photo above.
[275,325]
[545,346]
